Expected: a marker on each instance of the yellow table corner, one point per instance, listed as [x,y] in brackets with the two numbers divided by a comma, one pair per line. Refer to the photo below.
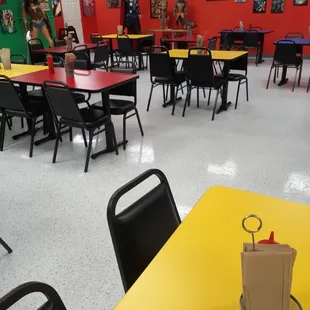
[18,70]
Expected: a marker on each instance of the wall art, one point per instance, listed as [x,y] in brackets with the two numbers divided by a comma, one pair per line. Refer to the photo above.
[113,4]
[7,21]
[259,6]
[88,7]
[56,5]
[300,2]
[277,6]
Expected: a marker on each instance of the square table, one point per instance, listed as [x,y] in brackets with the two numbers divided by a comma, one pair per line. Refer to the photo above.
[225,56]
[185,40]
[83,81]
[18,70]
[238,35]
[61,50]
[200,265]
[133,37]
[298,41]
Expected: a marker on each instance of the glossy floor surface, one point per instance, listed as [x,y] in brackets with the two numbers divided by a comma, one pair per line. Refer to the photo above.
[54,215]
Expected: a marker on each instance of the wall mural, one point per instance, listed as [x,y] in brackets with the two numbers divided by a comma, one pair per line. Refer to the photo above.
[112,4]
[277,6]
[259,6]
[88,7]
[300,2]
[56,8]
[7,21]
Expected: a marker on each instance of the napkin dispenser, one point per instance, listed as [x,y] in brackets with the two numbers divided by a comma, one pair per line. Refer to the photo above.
[5,55]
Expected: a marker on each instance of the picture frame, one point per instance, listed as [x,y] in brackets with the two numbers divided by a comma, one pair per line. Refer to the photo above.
[113,4]
[259,6]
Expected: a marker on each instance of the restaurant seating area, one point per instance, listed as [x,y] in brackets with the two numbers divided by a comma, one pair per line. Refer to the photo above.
[131,162]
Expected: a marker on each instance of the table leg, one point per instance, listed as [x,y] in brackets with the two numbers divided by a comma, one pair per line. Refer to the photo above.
[224,105]
[172,96]
[261,52]
[111,52]
[173,43]
[284,79]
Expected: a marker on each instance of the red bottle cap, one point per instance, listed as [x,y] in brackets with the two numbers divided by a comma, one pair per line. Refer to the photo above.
[269,241]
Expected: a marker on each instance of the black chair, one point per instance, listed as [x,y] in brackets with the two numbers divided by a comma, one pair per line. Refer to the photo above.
[95,37]
[163,41]
[36,58]
[19,59]
[141,230]
[82,61]
[200,75]
[145,47]
[16,106]
[59,42]
[212,43]
[82,53]
[294,35]
[126,50]
[255,27]
[123,106]
[5,245]
[102,55]
[163,72]
[240,64]
[285,56]
[71,30]
[62,33]
[226,41]
[67,114]
[53,302]
[251,41]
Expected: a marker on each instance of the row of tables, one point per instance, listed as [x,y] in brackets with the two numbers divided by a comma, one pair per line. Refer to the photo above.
[89,81]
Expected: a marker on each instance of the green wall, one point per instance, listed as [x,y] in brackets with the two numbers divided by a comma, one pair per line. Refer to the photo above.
[17,41]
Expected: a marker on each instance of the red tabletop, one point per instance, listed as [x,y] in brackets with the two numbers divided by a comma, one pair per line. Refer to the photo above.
[185,39]
[83,80]
[63,49]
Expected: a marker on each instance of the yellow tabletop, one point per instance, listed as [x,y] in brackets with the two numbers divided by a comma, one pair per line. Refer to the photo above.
[18,70]
[216,55]
[199,268]
[131,36]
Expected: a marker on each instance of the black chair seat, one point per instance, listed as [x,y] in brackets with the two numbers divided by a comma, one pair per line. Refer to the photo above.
[37,94]
[298,62]
[179,78]
[92,118]
[33,108]
[120,106]
[218,82]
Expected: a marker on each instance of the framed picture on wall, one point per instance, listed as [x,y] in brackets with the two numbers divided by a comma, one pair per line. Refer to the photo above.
[7,21]
[154,9]
[88,7]
[112,4]
[300,2]
[45,4]
[2,1]
[277,6]
[56,5]
[259,6]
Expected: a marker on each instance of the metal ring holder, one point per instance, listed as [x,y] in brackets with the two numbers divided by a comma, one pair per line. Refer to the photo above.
[252,232]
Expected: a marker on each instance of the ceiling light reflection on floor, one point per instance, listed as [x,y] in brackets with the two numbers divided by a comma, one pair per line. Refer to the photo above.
[229,169]
[141,153]
[297,182]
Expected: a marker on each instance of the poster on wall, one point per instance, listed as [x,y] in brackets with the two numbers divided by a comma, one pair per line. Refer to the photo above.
[56,5]
[259,6]
[112,4]
[2,1]
[155,12]
[300,2]
[7,21]
[88,7]
[277,6]
[45,5]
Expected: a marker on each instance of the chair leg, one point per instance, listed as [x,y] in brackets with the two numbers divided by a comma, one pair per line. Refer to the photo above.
[308,85]
[58,135]
[204,92]
[150,97]
[2,131]
[186,99]
[175,100]
[33,131]
[164,96]
[124,132]
[295,80]
[70,134]
[215,104]
[237,96]
[84,137]
[91,134]
[247,89]
[300,72]
[22,122]
[209,97]
[269,77]
[5,245]
[9,123]
[139,122]
[167,89]
[114,138]
[197,97]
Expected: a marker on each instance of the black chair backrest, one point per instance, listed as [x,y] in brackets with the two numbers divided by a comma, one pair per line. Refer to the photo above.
[82,61]
[61,101]
[54,301]
[251,38]
[285,52]
[294,35]
[200,67]
[124,45]
[255,27]
[161,65]
[102,53]
[34,45]
[148,42]
[59,42]
[212,43]
[165,43]
[9,98]
[95,37]
[227,40]
[241,64]
[18,59]
[140,231]
[62,32]
[80,51]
